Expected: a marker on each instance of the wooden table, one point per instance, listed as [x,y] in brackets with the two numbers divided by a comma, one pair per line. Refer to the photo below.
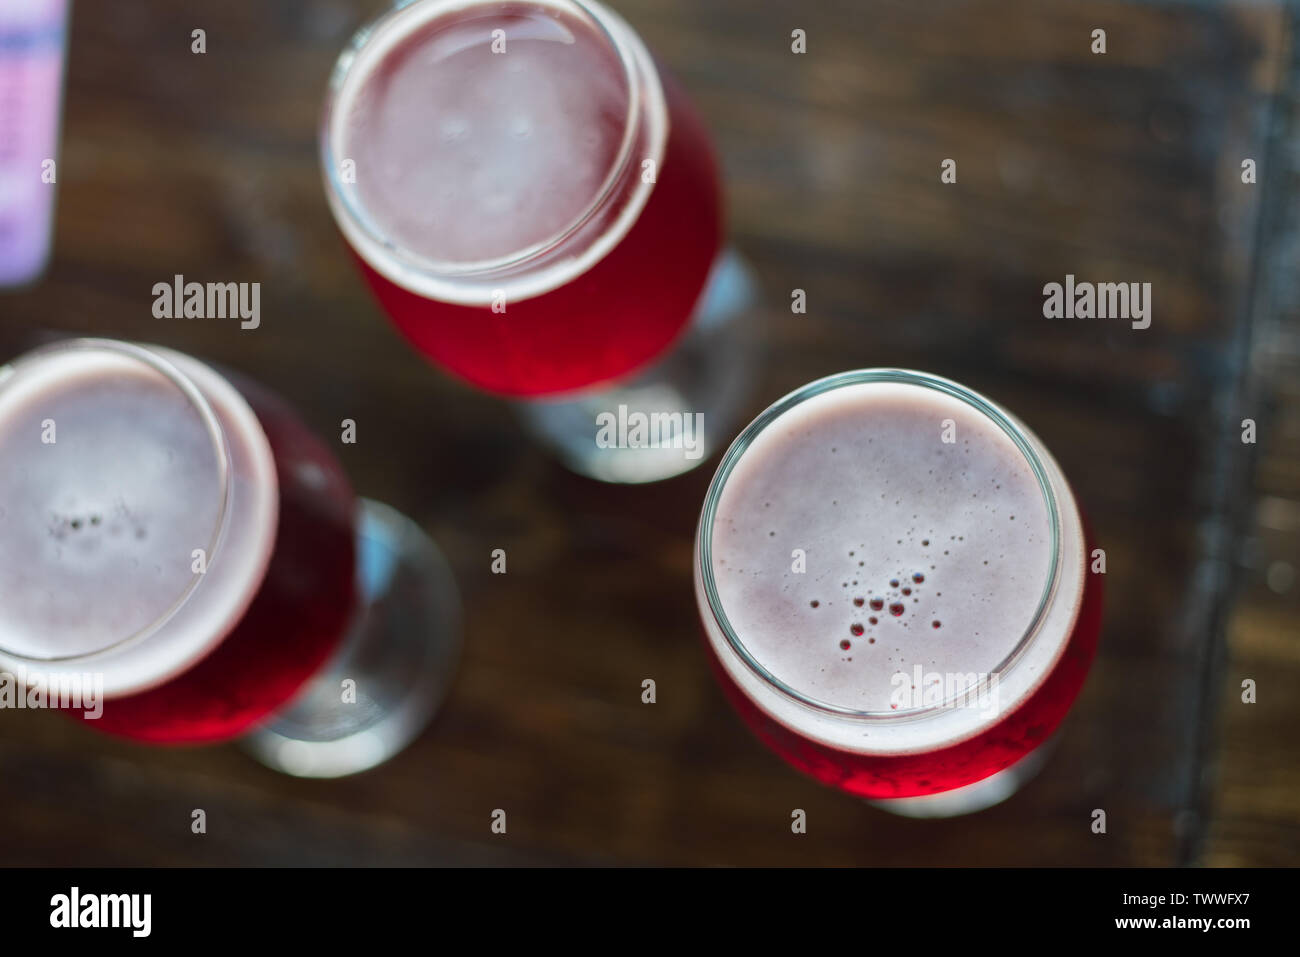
[1122,166]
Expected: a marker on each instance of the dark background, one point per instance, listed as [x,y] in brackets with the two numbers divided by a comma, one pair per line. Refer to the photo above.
[1124,166]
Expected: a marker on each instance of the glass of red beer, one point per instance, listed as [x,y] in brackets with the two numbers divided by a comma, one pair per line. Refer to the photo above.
[535,204]
[180,550]
[894,579]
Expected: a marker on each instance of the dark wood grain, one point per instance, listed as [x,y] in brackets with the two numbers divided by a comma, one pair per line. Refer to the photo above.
[1253,812]
[1123,166]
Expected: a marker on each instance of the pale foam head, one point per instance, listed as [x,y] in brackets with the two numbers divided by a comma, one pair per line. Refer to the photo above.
[477,135]
[113,472]
[877,527]
[464,154]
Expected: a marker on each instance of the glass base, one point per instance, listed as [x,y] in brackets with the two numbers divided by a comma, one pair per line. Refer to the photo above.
[992,790]
[386,681]
[706,374]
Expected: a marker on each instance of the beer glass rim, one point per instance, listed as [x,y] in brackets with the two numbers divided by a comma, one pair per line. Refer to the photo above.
[409,269]
[741,444]
[220,448]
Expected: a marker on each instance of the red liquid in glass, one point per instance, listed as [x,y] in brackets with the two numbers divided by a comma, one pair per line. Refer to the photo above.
[298,617]
[601,324]
[958,540]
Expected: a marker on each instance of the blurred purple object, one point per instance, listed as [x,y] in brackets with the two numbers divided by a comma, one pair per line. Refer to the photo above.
[33,44]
